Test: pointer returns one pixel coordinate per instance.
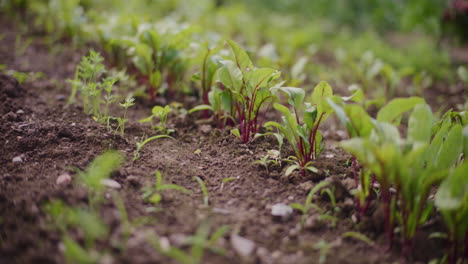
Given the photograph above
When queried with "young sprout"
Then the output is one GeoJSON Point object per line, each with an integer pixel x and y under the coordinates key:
{"type": "Point", "coordinates": [226, 180]}
{"type": "Point", "coordinates": [99, 170]}
{"type": "Point", "coordinates": [161, 113]}
{"type": "Point", "coordinates": [272, 157]}
{"type": "Point", "coordinates": [127, 225]}
{"type": "Point", "coordinates": [129, 101]}
{"type": "Point", "coordinates": [199, 242]}
{"type": "Point", "coordinates": [204, 190]}
{"type": "Point", "coordinates": [153, 194]}
{"type": "Point", "coordinates": [304, 208]}
{"type": "Point", "coordinates": [140, 145]}
{"type": "Point", "coordinates": [359, 236]}
{"type": "Point", "coordinates": [323, 247]}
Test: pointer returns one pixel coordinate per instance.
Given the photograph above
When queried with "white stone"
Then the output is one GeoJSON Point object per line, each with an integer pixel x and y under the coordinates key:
{"type": "Point", "coordinates": [17, 159]}
{"type": "Point", "coordinates": [111, 183]}
{"type": "Point", "coordinates": [281, 210]}
{"type": "Point", "coordinates": [64, 179]}
{"type": "Point", "coordinates": [243, 246]}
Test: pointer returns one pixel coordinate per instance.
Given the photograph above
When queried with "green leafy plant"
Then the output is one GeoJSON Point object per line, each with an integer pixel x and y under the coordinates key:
{"type": "Point", "coordinates": [452, 201]}
{"type": "Point", "coordinates": [302, 133]}
{"type": "Point", "coordinates": [97, 91]}
{"type": "Point", "coordinates": [248, 90]}
{"type": "Point", "coordinates": [359, 124]}
{"type": "Point", "coordinates": [412, 166]}
{"type": "Point", "coordinates": [141, 144]}
{"type": "Point", "coordinates": [206, 75]}
{"type": "Point", "coordinates": [60, 18]}
{"type": "Point", "coordinates": [161, 113]}
{"type": "Point", "coordinates": [200, 241]}
{"type": "Point", "coordinates": [99, 170]}
{"type": "Point", "coordinates": [153, 194]}
{"type": "Point", "coordinates": [205, 193]}
{"type": "Point", "coordinates": [159, 57]}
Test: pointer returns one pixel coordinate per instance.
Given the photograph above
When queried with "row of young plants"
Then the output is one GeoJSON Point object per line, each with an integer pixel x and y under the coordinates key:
{"type": "Point", "coordinates": [237, 94]}
{"type": "Point", "coordinates": [406, 169]}
{"type": "Point", "coordinates": [165, 53]}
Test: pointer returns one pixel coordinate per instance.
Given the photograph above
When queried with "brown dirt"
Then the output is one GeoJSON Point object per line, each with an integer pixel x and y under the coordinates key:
{"type": "Point", "coordinates": [52, 137]}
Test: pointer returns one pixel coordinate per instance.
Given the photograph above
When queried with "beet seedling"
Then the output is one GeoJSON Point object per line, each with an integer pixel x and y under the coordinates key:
{"type": "Point", "coordinates": [154, 194]}
{"type": "Point", "coordinates": [159, 58]}
{"type": "Point", "coordinates": [412, 166]}
{"type": "Point", "coordinates": [452, 201]}
{"type": "Point", "coordinates": [206, 76]}
{"type": "Point", "coordinates": [302, 133]}
{"type": "Point", "coordinates": [248, 90]}
{"type": "Point", "coordinates": [359, 124]}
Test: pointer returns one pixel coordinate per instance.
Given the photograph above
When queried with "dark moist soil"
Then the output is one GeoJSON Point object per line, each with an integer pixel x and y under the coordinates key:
{"type": "Point", "coordinates": [52, 138]}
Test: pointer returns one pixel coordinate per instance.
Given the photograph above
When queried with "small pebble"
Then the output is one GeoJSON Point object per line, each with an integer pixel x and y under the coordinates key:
{"type": "Point", "coordinates": [17, 159]}
{"type": "Point", "coordinates": [20, 112]}
{"type": "Point", "coordinates": [111, 183]}
{"type": "Point", "coordinates": [243, 246]}
{"type": "Point", "coordinates": [281, 211]}
{"type": "Point", "coordinates": [64, 179]}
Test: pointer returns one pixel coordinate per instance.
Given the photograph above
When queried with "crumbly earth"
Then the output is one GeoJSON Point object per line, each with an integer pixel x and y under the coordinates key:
{"type": "Point", "coordinates": [51, 138]}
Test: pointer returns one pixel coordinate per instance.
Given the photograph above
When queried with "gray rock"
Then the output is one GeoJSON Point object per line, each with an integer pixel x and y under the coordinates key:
{"type": "Point", "coordinates": [243, 246]}
{"type": "Point", "coordinates": [281, 211]}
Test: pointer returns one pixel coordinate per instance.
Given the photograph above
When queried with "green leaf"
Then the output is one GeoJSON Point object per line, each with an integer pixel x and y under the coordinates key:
{"type": "Point", "coordinates": [420, 124]}
{"type": "Point", "coordinates": [201, 108]}
{"type": "Point", "coordinates": [358, 236]}
{"type": "Point", "coordinates": [314, 190]}
{"type": "Point", "coordinates": [298, 207]}
{"type": "Point", "coordinates": [357, 96]}
{"type": "Point", "coordinates": [230, 76]}
{"type": "Point", "coordinates": [465, 142]}
{"type": "Point", "coordinates": [453, 190]}
{"type": "Point", "coordinates": [396, 107]}
{"type": "Point", "coordinates": [319, 97]}
{"type": "Point", "coordinates": [291, 168]}
{"type": "Point", "coordinates": [260, 77]}
{"type": "Point", "coordinates": [74, 253]}
{"type": "Point", "coordinates": [451, 148]}
{"type": "Point", "coordinates": [361, 122]}
{"type": "Point", "coordinates": [236, 132]}
{"type": "Point", "coordinates": [242, 59]}
{"type": "Point", "coordinates": [295, 95]}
